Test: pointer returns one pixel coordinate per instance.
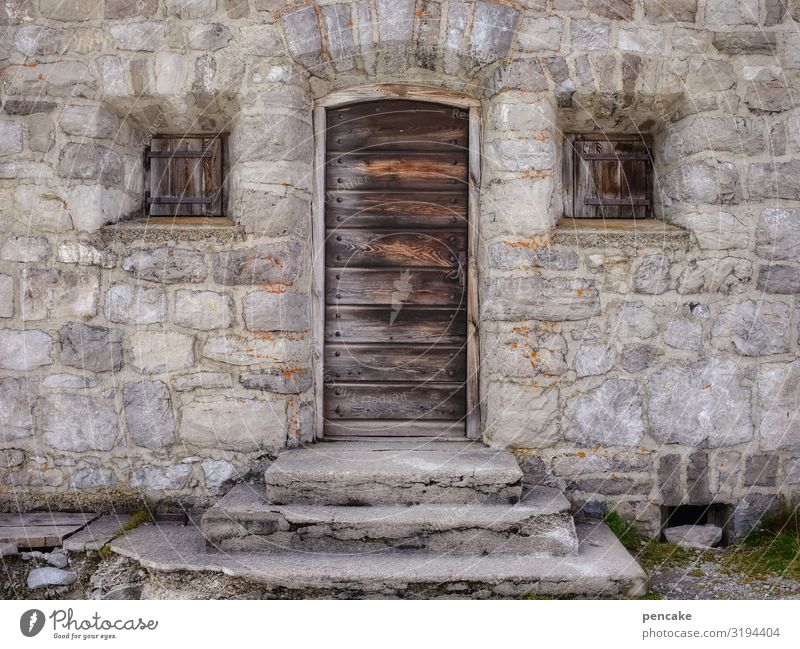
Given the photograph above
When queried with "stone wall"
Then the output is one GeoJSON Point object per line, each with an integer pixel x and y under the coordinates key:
{"type": "Point", "coordinates": [630, 368]}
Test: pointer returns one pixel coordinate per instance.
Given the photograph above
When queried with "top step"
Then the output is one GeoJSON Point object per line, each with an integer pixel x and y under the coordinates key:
{"type": "Point", "coordinates": [371, 473]}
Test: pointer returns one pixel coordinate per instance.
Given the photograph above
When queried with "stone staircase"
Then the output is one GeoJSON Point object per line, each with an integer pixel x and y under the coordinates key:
{"type": "Point", "coordinates": [402, 520]}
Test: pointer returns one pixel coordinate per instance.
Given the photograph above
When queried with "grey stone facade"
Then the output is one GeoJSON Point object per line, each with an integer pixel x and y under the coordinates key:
{"type": "Point", "coordinates": [639, 369]}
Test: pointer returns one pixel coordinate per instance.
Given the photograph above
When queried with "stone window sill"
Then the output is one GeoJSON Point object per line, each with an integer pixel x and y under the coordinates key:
{"type": "Point", "coordinates": [604, 233]}
{"type": "Point", "coordinates": [158, 228]}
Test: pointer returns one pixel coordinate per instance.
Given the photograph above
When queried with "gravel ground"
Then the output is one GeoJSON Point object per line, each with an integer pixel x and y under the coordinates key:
{"type": "Point", "coordinates": [707, 576]}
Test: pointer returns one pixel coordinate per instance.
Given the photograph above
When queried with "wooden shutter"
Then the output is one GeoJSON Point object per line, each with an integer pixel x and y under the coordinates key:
{"type": "Point", "coordinates": [185, 176]}
{"type": "Point", "coordinates": [609, 176]}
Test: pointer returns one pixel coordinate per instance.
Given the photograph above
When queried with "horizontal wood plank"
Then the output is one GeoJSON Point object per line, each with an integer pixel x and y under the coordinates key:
{"type": "Point", "coordinates": [395, 362]}
{"type": "Point", "coordinates": [396, 209]}
{"type": "Point", "coordinates": [411, 324]}
{"type": "Point", "coordinates": [395, 400]}
{"type": "Point", "coordinates": [395, 170]}
{"type": "Point", "coordinates": [395, 286]}
{"type": "Point", "coordinates": [395, 125]}
{"type": "Point", "coordinates": [394, 428]}
{"type": "Point", "coordinates": [33, 519]}
{"type": "Point", "coordinates": [346, 247]}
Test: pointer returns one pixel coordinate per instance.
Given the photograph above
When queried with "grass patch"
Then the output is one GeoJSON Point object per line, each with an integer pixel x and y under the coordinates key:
{"type": "Point", "coordinates": [649, 553]}
{"type": "Point", "coordinates": [772, 549]}
{"type": "Point", "coordinates": [625, 531]}
{"type": "Point", "coordinates": [137, 518]}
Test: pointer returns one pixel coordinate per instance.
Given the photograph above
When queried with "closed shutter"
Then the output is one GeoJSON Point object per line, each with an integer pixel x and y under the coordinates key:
{"type": "Point", "coordinates": [185, 176]}
{"type": "Point", "coordinates": [609, 177]}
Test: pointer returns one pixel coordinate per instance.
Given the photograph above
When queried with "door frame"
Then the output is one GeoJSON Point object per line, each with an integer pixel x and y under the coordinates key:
{"type": "Point", "coordinates": [472, 109]}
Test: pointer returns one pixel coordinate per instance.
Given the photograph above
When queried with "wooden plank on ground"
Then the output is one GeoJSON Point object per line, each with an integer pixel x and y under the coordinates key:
{"type": "Point", "coordinates": [41, 529]}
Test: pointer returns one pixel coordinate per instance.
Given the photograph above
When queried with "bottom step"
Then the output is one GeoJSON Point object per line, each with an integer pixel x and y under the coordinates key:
{"type": "Point", "coordinates": [539, 524]}
{"type": "Point", "coordinates": [181, 566]}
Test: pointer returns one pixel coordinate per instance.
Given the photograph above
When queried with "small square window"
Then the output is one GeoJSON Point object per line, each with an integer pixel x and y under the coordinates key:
{"type": "Point", "coordinates": [608, 176]}
{"type": "Point", "coordinates": [185, 176]}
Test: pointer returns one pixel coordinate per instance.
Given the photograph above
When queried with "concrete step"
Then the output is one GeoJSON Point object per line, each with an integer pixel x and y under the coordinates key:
{"type": "Point", "coordinates": [371, 473]}
{"type": "Point", "coordinates": [179, 565]}
{"type": "Point", "coordinates": [540, 524]}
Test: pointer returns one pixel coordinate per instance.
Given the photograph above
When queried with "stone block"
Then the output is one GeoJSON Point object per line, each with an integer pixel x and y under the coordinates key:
{"type": "Point", "coordinates": [90, 121]}
{"type": "Point", "coordinates": [697, 479]}
{"type": "Point", "coordinates": [25, 249]}
{"type": "Point", "coordinates": [117, 9]}
{"type": "Point", "coordinates": [709, 181]}
{"type": "Point", "coordinates": [595, 360]}
{"type": "Point", "coordinates": [112, 76]}
{"type": "Point", "coordinates": [639, 356]}
{"type": "Point", "coordinates": [25, 350]}
{"type": "Point", "coordinates": [149, 420]}
{"type": "Point", "coordinates": [144, 36]}
{"type": "Point", "coordinates": [779, 278]}
{"type": "Point", "coordinates": [610, 415]}
{"type": "Point", "coordinates": [39, 479]}
{"type": "Point", "coordinates": [10, 137]}
{"type": "Point", "coordinates": [303, 36]}
{"type": "Point", "coordinates": [641, 40]}
{"type": "Point", "coordinates": [286, 139]}
{"type": "Point", "coordinates": [17, 403]}
{"type": "Point", "coordinates": [537, 298]}
{"type": "Point", "coordinates": [167, 264]}
{"type": "Point", "coordinates": [290, 380]}
{"type": "Point", "coordinates": [258, 40]}
{"type": "Point", "coordinates": [761, 471]}
{"type": "Point", "coordinates": [85, 254]}
{"type": "Point", "coordinates": [612, 486]}
{"type": "Point", "coordinates": [93, 206]}
{"type": "Point", "coordinates": [191, 9]}
{"type": "Point", "coordinates": [218, 473]}
{"type": "Point", "coordinates": [524, 254]}
{"type": "Point", "coordinates": [273, 215]}
{"type": "Point", "coordinates": [279, 263]}
{"type": "Point", "coordinates": [203, 310]}
{"type": "Point", "coordinates": [521, 416]}
{"type": "Point", "coordinates": [518, 74]}
{"type": "Point", "coordinates": [276, 311]}
{"type": "Point", "coordinates": [633, 319]}
{"type": "Point", "coordinates": [71, 10]}
{"type": "Point", "coordinates": [11, 457]}
{"type": "Point", "coordinates": [670, 479]}
{"type": "Point", "coordinates": [338, 26]}
{"type": "Point", "coordinates": [776, 387]}
{"type": "Point", "coordinates": [260, 349]}
{"type": "Point", "coordinates": [737, 43]}
{"type": "Point", "coordinates": [234, 424]}
{"type": "Point", "coordinates": [751, 508]}
{"type": "Point", "coordinates": [161, 478]}
{"type": "Point", "coordinates": [90, 162]}
{"type": "Point", "coordinates": [731, 12]}
{"type": "Point", "coordinates": [684, 334]}
{"type": "Point", "coordinates": [79, 423]}
{"type": "Point", "coordinates": [132, 304]}
{"type": "Point", "coordinates": [772, 97]}
{"type": "Point", "coordinates": [588, 35]}
{"type": "Point", "coordinates": [778, 234]}
{"type": "Point", "coordinates": [523, 351]}
{"type": "Point", "coordinates": [772, 180]}
{"type": "Point", "coordinates": [93, 349]}
{"type": "Point", "coordinates": [701, 404]}
{"type": "Point", "coordinates": [521, 155]}
{"type": "Point", "coordinates": [718, 230]}
{"type": "Point", "coordinates": [540, 34]}
{"type": "Point", "coordinates": [92, 478]}
{"type": "Point", "coordinates": [52, 293]}
{"type": "Point", "coordinates": [14, 12]}
{"type": "Point", "coordinates": [673, 11]}
{"type": "Point", "coordinates": [6, 296]}
{"type": "Point", "coordinates": [652, 275]}
{"type": "Point", "coordinates": [752, 328]}
{"type": "Point", "coordinates": [202, 381]}
{"type": "Point", "coordinates": [210, 37]}
{"type": "Point", "coordinates": [731, 133]}
{"type": "Point", "coordinates": [493, 28]}
{"type": "Point", "coordinates": [41, 130]}
{"type": "Point", "coordinates": [158, 351]}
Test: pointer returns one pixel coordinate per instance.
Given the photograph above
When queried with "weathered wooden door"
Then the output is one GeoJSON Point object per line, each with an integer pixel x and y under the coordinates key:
{"type": "Point", "coordinates": [396, 208]}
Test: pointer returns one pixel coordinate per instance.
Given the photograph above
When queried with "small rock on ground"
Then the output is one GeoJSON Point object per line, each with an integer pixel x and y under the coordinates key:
{"type": "Point", "coordinates": [39, 577]}
{"type": "Point", "coordinates": [694, 536]}
{"type": "Point", "coordinates": [58, 560]}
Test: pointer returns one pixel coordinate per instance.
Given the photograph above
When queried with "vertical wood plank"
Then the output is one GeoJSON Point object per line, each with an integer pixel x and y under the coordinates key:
{"type": "Point", "coordinates": [318, 274]}
{"type": "Point", "coordinates": [473, 400]}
